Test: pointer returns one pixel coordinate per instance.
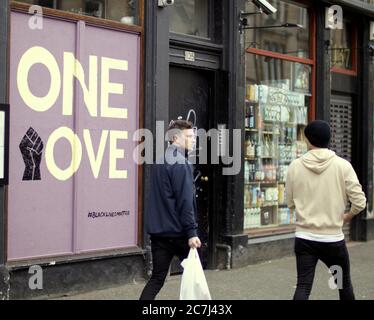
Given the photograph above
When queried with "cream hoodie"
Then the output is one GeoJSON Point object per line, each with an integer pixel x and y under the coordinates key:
{"type": "Point", "coordinates": [319, 185]}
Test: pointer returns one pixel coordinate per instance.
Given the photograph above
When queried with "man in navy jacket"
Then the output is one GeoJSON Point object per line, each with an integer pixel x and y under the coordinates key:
{"type": "Point", "coordinates": [171, 211]}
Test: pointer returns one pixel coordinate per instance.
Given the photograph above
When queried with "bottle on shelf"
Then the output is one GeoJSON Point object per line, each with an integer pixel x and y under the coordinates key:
{"type": "Point", "coordinates": [270, 147]}
{"type": "Point", "coordinates": [281, 193]}
{"type": "Point", "coordinates": [259, 121]}
{"type": "Point", "coordinates": [258, 147]}
{"type": "Point", "coordinates": [251, 117]}
{"type": "Point", "coordinates": [246, 121]}
{"type": "Point", "coordinates": [254, 197]}
{"type": "Point", "coordinates": [246, 171]}
{"type": "Point", "coordinates": [264, 147]}
{"type": "Point", "coordinates": [260, 174]}
{"type": "Point", "coordinates": [246, 218]}
{"type": "Point", "coordinates": [247, 197]}
{"type": "Point", "coordinates": [259, 198]}
{"type": "Point", "coordinates": [266, 218]}
{"type": "Point", "coordinates": [274, 171]}
{"type": "Point", "coordinates": [250, 148]}
{"type": "Point", "coordinates": [268, 173]}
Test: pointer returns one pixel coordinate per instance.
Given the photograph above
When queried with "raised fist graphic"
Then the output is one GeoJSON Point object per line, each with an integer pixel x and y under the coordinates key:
{"type": "Point", "coordinates": [31, 148]}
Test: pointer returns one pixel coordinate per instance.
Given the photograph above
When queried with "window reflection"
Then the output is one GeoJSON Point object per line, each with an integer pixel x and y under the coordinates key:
{"type": "Point", "coordinates": [341, 47]}
{"type": "Point", "coordinates": [125, 11]}
{"type": "Point", "coordinates": [190, 17]}
{"type": "Point", "coordinates": [290, 41]}
{"type": "Point", "coordinates": [278, 73]}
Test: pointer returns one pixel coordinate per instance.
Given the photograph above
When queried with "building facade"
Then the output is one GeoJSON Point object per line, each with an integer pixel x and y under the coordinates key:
{"type": "Point", "coordinates": [84, 76]}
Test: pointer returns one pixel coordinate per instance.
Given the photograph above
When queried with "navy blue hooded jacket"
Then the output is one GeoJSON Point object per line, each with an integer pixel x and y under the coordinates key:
{"type": "Point", "coordinates": [171, 209]}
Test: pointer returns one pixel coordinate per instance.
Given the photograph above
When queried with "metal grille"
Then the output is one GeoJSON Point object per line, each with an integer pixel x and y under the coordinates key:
{"type": "Point", "coordinates": [341, 126]}
{"type": "Point", "coordinates": [341, 140]}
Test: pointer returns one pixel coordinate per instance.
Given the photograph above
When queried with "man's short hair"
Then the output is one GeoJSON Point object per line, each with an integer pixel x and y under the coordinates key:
{"type": "Point", "coordinates": [177, 126]}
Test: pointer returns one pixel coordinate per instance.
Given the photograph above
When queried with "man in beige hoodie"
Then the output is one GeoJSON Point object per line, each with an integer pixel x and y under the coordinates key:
{"type": "Point", "coordinates": [319, 187]}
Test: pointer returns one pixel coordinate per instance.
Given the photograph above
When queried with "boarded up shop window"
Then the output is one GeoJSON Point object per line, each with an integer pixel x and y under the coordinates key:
{"type": "Point", "coordinates": [74, 109]}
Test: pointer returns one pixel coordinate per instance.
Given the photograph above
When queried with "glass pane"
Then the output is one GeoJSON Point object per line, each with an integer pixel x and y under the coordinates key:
{"type": "Point", "coordinates": [119, 10]}
{"type": "Point", "coordinates": [279, 73]}
{"type": "Point", "coordinates": [276, 113]}
{"type": "Point", "coordinates": [368, 2]}
{"type": "Point", "coordinates": [291, 41]}
{"type": "Point", "coordinates": [341, 47]}
{"type": "Point", "coordinates": [190, 17]}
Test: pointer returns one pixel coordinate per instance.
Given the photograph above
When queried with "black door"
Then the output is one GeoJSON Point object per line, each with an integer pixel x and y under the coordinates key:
{"type": "Point", "coordinates": [190, 99]}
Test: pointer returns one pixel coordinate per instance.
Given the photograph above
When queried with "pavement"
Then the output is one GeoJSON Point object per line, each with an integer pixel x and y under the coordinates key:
{"type": "Point", "coordinates": [271, 280]}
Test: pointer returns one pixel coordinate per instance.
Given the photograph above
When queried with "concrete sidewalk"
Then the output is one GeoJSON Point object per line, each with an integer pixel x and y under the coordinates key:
{"type": "Point", "coordinates": [273, 280]}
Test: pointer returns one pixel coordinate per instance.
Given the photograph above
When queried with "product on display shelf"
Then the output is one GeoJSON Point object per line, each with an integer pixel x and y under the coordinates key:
{"type": "Point", "coordinates": [246, 171]}
{"type": "Point", "coordinates": [281, 193]}
{"type": "Point", "coordinates": [266, 218]}
{"type": "Point", "coordinates": [250, 148]}
{"type": "Point", "coordinates": [252, 218]}
{"type": "Point", "coordinates": [254, 196]}
{"type": "Point", "coordinates": [252, 93]}
{"type": "Point", "coordinates": [283, 215]}
{"type": "Point", "coordinates": [251, 117]}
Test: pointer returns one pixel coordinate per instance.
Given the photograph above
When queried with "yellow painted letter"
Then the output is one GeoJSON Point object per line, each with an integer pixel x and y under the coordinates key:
{"type": "Point", "coordinates": [31, 57]}
{"type": "Point", "coordinates": [95, 162]}
{"type": "Point", "coordinates": [73, 68]}
{"type": "Point", "coordinates": [76, 153]}
{"type": "Point", "coordinates": [116, 154]}
{"type": "Point", "coordinates": [111, 88]}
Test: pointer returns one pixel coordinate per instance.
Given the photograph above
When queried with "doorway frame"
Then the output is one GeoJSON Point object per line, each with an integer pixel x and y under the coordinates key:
{"type": "Point", "coordinates": [215, 189]}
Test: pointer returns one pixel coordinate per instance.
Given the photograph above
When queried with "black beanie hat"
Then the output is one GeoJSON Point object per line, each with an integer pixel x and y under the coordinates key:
{"type": "Point", "coordinates": [318, 133]}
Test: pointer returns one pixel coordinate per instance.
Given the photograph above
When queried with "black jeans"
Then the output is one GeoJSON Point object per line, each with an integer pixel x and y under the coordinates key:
{"type": "Point", "coordinates": [163, 251]}
{"type": "Point", "coordinates": [331, 254]}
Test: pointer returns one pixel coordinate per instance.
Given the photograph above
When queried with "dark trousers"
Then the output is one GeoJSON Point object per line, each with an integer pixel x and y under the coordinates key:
{"type": "Point", "coordinates": [331, 254]}
{"type": "Point", "coordinates": [163, 251]}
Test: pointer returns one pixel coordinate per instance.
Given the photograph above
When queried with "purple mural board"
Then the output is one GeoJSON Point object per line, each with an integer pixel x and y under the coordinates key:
{"type": "Point", "coordinates": [52, 213]}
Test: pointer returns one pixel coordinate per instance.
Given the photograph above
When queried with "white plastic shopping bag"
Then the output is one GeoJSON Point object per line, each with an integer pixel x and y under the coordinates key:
{"type": "Point", "coordinates": [194, 285]}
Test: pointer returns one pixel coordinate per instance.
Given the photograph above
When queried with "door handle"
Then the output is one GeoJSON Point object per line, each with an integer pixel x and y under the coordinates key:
{"type": "Point", "coordinates": [206, 179]}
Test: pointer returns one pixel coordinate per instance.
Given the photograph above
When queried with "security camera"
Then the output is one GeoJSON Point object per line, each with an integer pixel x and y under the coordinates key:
{"type": "Point", "coordinates": [164, 3]}
{"type": "Point", "coordinates": [265, 6]}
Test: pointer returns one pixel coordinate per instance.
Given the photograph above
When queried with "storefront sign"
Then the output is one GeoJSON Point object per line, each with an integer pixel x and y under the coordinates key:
{"type": "Point", "coordinates": [334, 17]}
{"type": "Point", "coordinates": [189, 56]}
{"type": "Point", "coordinates": [75, 97]}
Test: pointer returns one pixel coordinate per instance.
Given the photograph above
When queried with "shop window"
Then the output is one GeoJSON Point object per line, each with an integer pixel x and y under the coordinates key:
{"type": "Point", "coordinates": [290, 41]}
{"type": "Point", "coordinates": [280, 86]}
{"type": "Point", "coordinates": [123, 11]}
{"type": "Point", "coordinates": [343, 48]}
{"type": "Point", "coordinates": [278, 98]}
{"type": "Point", "coordinates": [190, 17]}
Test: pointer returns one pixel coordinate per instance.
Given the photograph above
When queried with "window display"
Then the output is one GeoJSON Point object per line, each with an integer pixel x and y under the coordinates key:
{"type": "Point", "coordinates": [275, 118]}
